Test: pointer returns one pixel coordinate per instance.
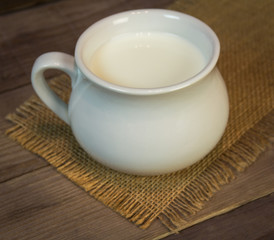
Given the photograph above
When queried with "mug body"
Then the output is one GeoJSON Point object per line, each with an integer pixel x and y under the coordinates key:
{"type": "Point", "coordinates": [150, 134]}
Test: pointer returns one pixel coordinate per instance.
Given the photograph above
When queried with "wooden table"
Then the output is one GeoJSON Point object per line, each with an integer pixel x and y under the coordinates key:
{"type": "Point", "coordinates": [36, 202]}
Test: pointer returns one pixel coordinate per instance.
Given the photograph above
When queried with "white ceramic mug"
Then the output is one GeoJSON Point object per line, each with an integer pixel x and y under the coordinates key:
{"type": "Point", "coordinates": [141, 130]}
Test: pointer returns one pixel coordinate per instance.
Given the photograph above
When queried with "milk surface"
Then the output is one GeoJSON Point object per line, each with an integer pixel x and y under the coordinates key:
{"type": "Point", "coordinates": [146, 60]}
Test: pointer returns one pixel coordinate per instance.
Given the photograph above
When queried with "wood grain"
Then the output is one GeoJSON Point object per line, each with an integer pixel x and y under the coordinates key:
{"type": "Point", "coordinates": [241, 223]}
{"type": "Point", "coordinates": [15, 5]}
{"type": "Point", "coordinates": [15, 161]}
{"type": "Point", "coordinates": [36, 202]}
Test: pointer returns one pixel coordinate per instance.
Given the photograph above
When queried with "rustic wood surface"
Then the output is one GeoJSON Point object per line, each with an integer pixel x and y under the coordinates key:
{"type": "Point", "coordinates": [36, 202]}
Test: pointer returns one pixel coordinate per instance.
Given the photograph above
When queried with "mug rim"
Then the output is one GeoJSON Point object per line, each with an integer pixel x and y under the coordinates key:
{"type": "Point", "coordinates": [157, 90]}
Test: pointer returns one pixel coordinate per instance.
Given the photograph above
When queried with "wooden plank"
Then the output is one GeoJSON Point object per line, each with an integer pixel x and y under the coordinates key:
{"type": "Point", "coordinates": [15, 5]}
{"type": "Point", "coordinates": [14, 160]}
{"type": "Point", "coordinates": [242, 223]}
{"type": "Point", "coordinates": [10, 100]}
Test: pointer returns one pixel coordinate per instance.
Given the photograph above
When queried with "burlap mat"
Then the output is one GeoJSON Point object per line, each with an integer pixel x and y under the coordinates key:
{"type": "Point", "coordinates": [245, 29]}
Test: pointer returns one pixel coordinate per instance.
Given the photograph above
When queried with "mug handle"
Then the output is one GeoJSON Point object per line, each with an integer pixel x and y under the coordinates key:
{"type": "Point", "coordinates": [52, 60]}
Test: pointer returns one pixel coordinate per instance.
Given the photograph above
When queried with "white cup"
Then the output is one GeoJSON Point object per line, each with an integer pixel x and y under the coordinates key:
{"type": "Point", "coordinates": [141, 130]}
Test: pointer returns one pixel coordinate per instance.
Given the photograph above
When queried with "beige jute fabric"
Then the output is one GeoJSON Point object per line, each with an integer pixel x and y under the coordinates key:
{"type": "Point", "coordinates": [245, 29]}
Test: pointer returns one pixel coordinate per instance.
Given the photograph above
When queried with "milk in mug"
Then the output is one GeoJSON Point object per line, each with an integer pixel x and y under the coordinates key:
{"type": "Point", "coordinates": [146, 60]}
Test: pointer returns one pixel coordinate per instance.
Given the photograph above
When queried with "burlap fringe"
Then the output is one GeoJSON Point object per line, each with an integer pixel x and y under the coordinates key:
{"type": "Point", "coordinates": [241, 155]}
